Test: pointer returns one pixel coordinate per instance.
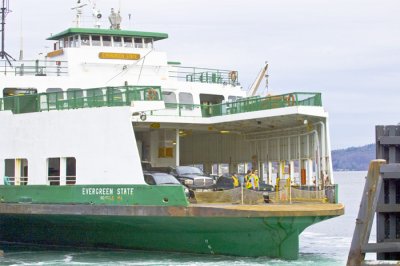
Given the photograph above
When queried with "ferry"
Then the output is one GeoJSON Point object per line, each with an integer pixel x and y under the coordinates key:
{"type": "Point", "coordinates": [78, 127]}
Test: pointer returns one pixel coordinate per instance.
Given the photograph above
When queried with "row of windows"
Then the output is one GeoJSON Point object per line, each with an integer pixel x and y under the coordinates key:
{"type": "Point", "coordinates": [73, 93]}
{"type": "Point", "coordinates": [16, 171]}
{"type": "Point", "coordinates": [105, 41]}
{"type": "Point", "coordinates": [187, 98]}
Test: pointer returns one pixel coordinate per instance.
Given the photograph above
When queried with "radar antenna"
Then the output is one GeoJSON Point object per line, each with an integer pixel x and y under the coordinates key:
{"type": "Point", "coordinates": [95, 13]}
{"type": "Point", "coordinates": [78, 8]}
{"type": "Point", "coordinates": [4, 11]}
{"type": "Point", "coordinates": [115, 20]}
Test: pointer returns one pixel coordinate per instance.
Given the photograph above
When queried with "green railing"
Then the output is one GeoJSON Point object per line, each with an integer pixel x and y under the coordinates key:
{"type": "Point", "coordinates": [77, 98]}
{"type": "Point", "coordinates": [244, 105]}
{"type": "Point", "coordinates": [264, 103]}
{"type": "Point", "coordinates": [204, 75]}
{"type": "Point", "coordinates": [123, 96]}
{"type": "Point", "coordinates": [35, 67]}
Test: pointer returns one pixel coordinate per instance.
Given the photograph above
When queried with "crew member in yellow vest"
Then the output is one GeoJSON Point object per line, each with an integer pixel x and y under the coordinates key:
{"type": "Point", "coordinates": [256, 180]}
{"type": "Point", "coordinates": [235, 180]}
{"type": "Point", "coordinates": [249, 183]}
{"type": "Point", "coordinates": [247, 176]}
{"type": "Point", "coordinates": [253, 181]}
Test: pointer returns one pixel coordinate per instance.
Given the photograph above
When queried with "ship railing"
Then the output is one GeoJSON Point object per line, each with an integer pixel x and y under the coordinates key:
{"type": "Point", "coordinates": [70, 180]}
{"type": "Point", "coordinates": [204, 75]}
{"type": "Point", "coordinates": [15, 181]}
{"type": "Point", "coordinates": [243, 105]}
{"type": "Point", "coordinates": [281, 195]}
{"type": "Point", "coordinates": [53, 180]}
{"type": "Point", "coordinates": [76, 98]}
{"type": "Point", "coordinates": [35, 68]}
{"type": "Point", "coordinates": [182, 110]}
{"type": "Point", "coordinates": [264, 103]}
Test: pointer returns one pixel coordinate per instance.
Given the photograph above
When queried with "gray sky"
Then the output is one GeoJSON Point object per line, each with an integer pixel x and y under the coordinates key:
{"type": "Point", "coordinates": [348, 50]}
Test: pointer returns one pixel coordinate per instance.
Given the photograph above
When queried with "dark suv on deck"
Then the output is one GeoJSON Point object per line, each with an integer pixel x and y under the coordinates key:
{"type": "Point", "coordinates": [192, 177]}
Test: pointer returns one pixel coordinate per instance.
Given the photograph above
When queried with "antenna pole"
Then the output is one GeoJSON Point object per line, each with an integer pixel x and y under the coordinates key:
{"type": "Point", "coordinates": [4, 12]}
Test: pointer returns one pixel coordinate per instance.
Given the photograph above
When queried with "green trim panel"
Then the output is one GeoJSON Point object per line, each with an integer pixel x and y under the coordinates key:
{"type": "Point", "coordinates": [96, 194]}
{"type": "Point", "coordinates": [123, 33]}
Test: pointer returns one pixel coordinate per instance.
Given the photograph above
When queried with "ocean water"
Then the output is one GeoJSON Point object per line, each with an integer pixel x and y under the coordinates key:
{"type": "Point", "coordinates": [324, 244]}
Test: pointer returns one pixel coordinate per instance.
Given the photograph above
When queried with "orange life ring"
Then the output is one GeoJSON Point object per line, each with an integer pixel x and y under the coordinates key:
{"type": "Point", "coordinates": [152, 94]}
{"type": "Point", "coordinates": [233, 76]}
{"type": "Point", "coordinates": [290, 100]}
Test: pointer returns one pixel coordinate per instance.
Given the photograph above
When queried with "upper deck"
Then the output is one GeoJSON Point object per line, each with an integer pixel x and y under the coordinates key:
{"type": "Point", "coordinates": [125, 95]}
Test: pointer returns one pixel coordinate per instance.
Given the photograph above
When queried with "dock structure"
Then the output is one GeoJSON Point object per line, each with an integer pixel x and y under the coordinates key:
{"type": "Point", "coordinates": [381, 196]}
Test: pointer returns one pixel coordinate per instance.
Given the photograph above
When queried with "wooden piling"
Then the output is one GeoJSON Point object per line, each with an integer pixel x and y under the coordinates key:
{"type": "Point", "coordinates": [366, 214]}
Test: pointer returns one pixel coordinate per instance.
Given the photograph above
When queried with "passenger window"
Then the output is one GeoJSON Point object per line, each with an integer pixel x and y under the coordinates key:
{"type": "Point", "coordinates": [66, 42]}
{"type": "Point", "coordinates": [117, 97]}
{"type": "Point", "coordinates": [16, 172]}
{"type": "Point", "coordinates": [56, 177]}
{"type": "Point", "coordinates": [53, 171]}
{"type": "Point", "coordinates": [9, 173]}
{"type": "Point", "coordinates": [76, 41]}
{"type": "Point", "coordinates": [85, 40]}
{"type": "Point", "coordinates": [71, 41]}
{"type": "Point", "coordinates": [231, 98]}
{"type": "Point", "coordinates": [117, 41]}
{"type": "Point", "coordinates": [186, 99]}
{"type": "Point", "coordinates": [74, 93]}
{"type": "Point", "coordinates": [106, 40]}
{"type": "Point", "coordinates": [128, 42]}
{"type": "Point", "coordinates": [148, 43]}
{"type": "Point", "coordinates": [18, 91]}
{"type": "Point", "coordinates": [96, 40]}
{"type": "Point", "coordinates": [169, 99]}
{"type": "Point", "coordinates": [70, 171]}
{"type": "Point", "coordinates": [94, 97]}
{"type": "Point", "coordinates": [138, 43]}
{"type": "Point", "coordinates": [53, 97]}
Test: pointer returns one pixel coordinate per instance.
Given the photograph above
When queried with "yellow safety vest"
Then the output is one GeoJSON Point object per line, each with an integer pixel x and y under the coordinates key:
{"type": "Point", "coordinates": [235, 181]}
{"type": "Point", "coordinates": [256, 181]}
{"type": "Point", "coordinates": [248, 183]}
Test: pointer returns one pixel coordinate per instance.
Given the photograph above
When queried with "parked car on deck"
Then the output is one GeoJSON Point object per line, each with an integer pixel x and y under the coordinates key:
{"type": "Point", "coordinates": [224, 182]}
{"type": "Point", "coordinates": [192, 177]}
{"type": "Point", "coordinates": [155, 178]}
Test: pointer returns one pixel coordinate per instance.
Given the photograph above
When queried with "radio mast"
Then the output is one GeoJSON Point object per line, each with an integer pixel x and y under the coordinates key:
{"type": "Point", "coordinates": [4, 12]}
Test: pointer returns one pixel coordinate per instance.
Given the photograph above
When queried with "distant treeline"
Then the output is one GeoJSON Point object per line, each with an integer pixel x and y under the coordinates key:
{"type": "Point", "coordinates": [353, 158]}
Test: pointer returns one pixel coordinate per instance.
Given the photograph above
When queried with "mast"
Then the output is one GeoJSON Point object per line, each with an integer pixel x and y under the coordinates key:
{"type": "Point", "coordinates": [4, 11]}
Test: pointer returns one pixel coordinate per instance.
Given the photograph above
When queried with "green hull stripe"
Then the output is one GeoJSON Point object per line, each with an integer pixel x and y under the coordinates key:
{"type": "Point", "coordinates": [96, 194]}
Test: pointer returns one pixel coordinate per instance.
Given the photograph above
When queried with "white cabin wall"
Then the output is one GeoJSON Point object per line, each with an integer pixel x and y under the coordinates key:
{"type": "Point", "coordinates": [101, 140]}
{"type": "Point", "coordinates": [94, 72]}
